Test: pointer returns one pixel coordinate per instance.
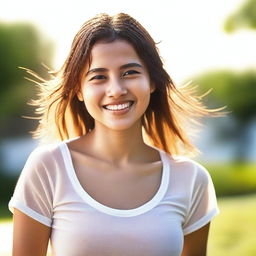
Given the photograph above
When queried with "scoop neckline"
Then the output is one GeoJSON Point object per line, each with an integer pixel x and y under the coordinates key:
{"type": "Point", "coordinates": [153, 202]}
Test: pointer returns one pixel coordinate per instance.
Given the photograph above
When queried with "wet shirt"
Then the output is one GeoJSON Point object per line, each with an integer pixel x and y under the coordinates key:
{"type": "Point", "coordinates": [49, 191]}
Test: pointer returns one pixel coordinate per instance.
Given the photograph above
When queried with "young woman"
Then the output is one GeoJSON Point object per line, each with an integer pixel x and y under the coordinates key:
{"type": "Point", "coordinates": [116, 183]}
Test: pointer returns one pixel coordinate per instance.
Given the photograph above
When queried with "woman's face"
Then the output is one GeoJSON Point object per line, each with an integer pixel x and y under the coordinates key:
{"type": "Point", "coordinates": [116, 87]}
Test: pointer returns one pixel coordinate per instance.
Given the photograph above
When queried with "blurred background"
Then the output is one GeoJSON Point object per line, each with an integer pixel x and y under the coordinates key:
{"type": "Point", "coordinates": [211, 43]}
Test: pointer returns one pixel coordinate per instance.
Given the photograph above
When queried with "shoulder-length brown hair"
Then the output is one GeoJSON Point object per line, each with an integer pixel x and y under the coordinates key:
{"type": "Point", "coordinates": [170, 111]}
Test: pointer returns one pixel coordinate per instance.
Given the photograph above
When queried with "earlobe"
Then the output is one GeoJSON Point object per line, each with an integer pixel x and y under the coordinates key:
{"type": "Point", "coordinates": [79, 96]}
{"type": "Point", "coordinates": [152, 88]}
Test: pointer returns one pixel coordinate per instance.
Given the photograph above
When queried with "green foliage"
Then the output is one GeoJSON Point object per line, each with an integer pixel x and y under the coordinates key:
{"type": "Point", "coordinates": [5, 214]}
{"type": "Point", "coordinates": [233, 179]}
{"type": "Point", "coordinates": [236, 90]}
{"type": "Point", "coordinates": [21, 45]}
{"type": "Point", "coordinates": [7, 185]}
{"type": "Point", "coordinates": [233, 230]}
{"type": "Point", "coordinates": [244, 17]}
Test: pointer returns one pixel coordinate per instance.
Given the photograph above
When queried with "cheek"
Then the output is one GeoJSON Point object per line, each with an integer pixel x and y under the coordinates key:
{"type": "Point", "coordinates": [92, 94]}
{"type": "Point", "coordinates": [140, 86]}
{"type": "Point", "coordinates": [92, 99]}
{"type": "Point", "coordinates": [143, 91]}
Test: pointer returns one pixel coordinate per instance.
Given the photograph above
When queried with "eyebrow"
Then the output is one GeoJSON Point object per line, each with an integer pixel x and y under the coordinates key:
{"type": "Point", "coordinates": [128, 65]}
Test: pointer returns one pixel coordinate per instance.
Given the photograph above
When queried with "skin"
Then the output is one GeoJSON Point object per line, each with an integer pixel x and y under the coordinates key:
{"type": "Point", "coordinates": [117, 139]}
{"type": "Point", "coordinates": [30, 237]}
{"type": "Point", "coordinates": [116, 75]}
{"type": "Point", "coordinates": [195, 243]}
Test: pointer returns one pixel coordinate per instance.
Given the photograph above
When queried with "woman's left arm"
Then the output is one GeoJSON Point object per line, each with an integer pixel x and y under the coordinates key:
{"type": "Point", "coordinates": [195, 243]}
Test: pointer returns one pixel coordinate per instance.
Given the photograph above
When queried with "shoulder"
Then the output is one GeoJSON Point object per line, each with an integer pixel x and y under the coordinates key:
{"type": "Point", "coordinates": [44, 152]}
{"type": "Point", "coordinates": [41, 169]}
{"type": "Point", "coordinates": [43, 157]}
{"type": "Point", "coordinates": [189, 168]}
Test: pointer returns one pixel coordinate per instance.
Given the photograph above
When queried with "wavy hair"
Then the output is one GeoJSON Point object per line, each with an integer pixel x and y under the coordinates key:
{"type": "Point", "coordinates": [171, 111]}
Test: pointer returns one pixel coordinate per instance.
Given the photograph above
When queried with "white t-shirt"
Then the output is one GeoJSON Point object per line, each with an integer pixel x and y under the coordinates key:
{"type": "Point", "coordinates": [49, 191]}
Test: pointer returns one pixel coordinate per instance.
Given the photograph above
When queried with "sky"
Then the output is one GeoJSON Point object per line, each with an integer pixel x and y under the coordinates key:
{"type": "Point", "coordinates": [191, 35]}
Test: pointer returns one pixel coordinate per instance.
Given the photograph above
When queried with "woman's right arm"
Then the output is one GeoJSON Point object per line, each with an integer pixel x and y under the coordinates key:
{"type": "Point", "coordinates": [30, 237]}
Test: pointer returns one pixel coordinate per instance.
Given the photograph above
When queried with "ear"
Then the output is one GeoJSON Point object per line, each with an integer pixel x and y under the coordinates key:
{"type": "Point", "coordinates": [152, 87]}
{"type": "Point", "coordinates": [80, 96]}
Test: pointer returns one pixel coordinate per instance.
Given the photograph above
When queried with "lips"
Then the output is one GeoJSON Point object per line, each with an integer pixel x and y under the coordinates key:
{"type": "Point", "coordinates": [118, 106]}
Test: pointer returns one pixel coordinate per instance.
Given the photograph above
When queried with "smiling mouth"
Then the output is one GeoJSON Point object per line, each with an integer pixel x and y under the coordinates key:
{"type": "Point", "coordinates": [119, 107]}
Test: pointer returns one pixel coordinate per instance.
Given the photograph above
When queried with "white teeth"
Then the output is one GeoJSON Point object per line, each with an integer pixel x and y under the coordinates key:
{"type": "Point", "coordinates": [119, 106]}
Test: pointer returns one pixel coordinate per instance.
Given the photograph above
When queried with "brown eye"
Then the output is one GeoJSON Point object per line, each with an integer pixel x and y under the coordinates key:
{"type": "Point", "coordinates": [130, 72]}
{"type": "Point", "coordinates": [98, 77]}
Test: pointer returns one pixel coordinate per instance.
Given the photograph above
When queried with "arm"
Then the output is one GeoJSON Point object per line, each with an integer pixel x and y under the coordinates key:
{"type": "Point", "coordinates": [195, 243]}
{"type": "Point", "coordinates": [30, 237]}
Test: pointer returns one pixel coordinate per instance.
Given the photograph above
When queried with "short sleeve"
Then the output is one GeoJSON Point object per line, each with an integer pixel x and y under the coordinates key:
{"type": "Point", "coordinates": [203, 203]}
{"type": "Point", "coordinates": [33, 194]}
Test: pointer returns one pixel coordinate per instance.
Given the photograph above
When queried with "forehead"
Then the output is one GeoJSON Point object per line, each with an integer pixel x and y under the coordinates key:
{"type": "Point", "coordinates": [118, 52]}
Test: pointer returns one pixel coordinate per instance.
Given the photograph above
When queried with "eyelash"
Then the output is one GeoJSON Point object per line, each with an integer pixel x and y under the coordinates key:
{"type": "Point", "coordinates": [98, 77]}
{"type": "Point", "coordinates": [129, 72]}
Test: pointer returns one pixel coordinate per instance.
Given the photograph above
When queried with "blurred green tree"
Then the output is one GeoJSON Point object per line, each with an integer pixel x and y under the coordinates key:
{"type": "Point", "coordinates": [21, 45]}
{"type": "Point", "coordinates": [237, 91]}
{"type": "Point", "coordinates": [243, 17]}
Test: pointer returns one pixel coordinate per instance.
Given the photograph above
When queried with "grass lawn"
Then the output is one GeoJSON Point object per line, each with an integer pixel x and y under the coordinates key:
{"type": "Point", "coordinates": [233, 231]}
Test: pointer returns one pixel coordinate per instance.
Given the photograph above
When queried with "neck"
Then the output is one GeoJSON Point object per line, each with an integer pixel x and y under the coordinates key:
{"type": "Point", "coordinates": [118, 147]}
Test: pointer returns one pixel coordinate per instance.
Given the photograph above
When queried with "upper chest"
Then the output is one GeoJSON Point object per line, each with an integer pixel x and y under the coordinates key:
{"type": "Point", "coordinates": [125, 188]}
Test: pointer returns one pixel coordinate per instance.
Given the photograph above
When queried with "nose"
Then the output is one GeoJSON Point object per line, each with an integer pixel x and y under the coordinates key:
{"type": "Point", "coordinates": [116, 88]}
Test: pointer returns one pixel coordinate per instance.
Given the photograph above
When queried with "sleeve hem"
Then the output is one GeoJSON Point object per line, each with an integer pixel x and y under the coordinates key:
{"type": "Point", "coordinates": [200, 223]}
{"type": "Point", "coordinates": [14, 203]}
